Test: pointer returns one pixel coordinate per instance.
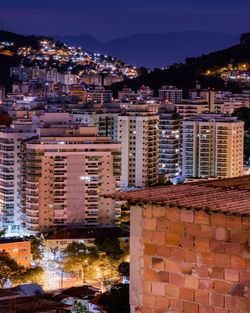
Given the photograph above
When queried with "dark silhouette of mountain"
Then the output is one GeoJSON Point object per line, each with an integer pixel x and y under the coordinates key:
{"type": "Point", "coordinates": [186, 74]}
{"type": "Point", "coordinates": [156, 50]}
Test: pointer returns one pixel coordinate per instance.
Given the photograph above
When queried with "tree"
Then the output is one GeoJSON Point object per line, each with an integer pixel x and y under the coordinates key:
{"type": "Point", "coordinates": [117, 300]}
{"type": "Point", "coordinates": [245, 39]}
{"type": "Point", "coordinates": [79, 307]}
{"type": "Point", "coordinates": [77, 256]}
{"type": "Point", "coordinates": [9, 269]}
{"type": "Point", "coordinates": [36, 246]}
{"type": "Point", "coordinates": [123, 269]}
{"type": "Point", "coordinates": [110, 246]}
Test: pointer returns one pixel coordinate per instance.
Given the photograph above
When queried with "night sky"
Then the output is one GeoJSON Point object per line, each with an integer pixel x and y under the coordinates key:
{"type": "Point", "coordinates": [115, 18]}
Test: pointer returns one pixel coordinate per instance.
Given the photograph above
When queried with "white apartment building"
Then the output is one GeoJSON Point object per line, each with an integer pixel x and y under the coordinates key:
{"type": "Point", "coordinates": [65, 172]}
{"type": "Point", "coordinates": [10, 172]}
{"type": "Point", "coordinates": [170, 145]}
{"type": "Point", "coordinates": [99, 95]}
{"type": "Point", "coordinates": [138, 134]}
{"type": "Point", "coordinates": [213, 146]}
{"type": "Point", "coordinates": [170, 94]}
{"type": "Point", "coordinates": [189, 108]}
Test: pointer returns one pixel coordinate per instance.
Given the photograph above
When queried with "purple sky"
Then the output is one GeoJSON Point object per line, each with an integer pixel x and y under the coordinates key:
{"type": "Point", "coordinates": [114, 18]}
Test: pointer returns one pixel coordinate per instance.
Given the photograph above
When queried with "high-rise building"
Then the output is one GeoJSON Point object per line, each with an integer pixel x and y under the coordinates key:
{"type": "Point", "coordinates": [213, 146]}
{"type": "Point", "coordinates": [65, 172]}
{"type": "Point", "coordinates": [171, 94]}
{"type": "Point", "coordinates": [138, 134]}
{"type": "Point", "coordinates": [170, 145]}
{"type": "Point", "coordinates": [10, 172]}
{"type": "Point", "coordinates": [99, 95]}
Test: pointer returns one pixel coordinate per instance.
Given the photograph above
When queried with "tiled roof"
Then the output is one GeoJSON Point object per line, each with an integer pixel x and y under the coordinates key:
{"type": "Point", "coordinates": [225, 195]}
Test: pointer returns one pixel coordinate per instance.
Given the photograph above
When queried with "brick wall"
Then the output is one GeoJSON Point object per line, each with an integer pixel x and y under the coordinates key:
{"type": "Point", "coordinates": [193, 261]}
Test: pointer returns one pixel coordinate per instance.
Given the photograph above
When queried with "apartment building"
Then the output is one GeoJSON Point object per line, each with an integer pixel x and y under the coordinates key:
{"type": "Point", "coordinates": [65, 172]}
{"type": "Point", "coordinates": [170, 94]}
{"type": "Point", "coordinates": [189, 108]}
{"type": "Point", "coordinates": [138, 134]}
{"type": "Point", "coordinates": [10, 171]}
{"type": "Point", "coordinates": [18, 249]}
{"type": "Point", "coordinates": [99, 95]}
{"type": "Point", "coordinates": [170, 145]}
{"type": "Point", "coordinates": [213, 146]}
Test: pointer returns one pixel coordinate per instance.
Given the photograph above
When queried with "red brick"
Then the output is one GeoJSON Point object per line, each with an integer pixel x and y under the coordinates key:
{"type": "Point", "coordinates": [246, 251]}
{"type": "Point", "coordinates": [202, 270]}
{"type": "Point", "coordinates": [172, 291]}
{"type": "Point", "coordinates": [162, 276]}
{"type": "Point", "coordinates": [217, 272]}
{"type": "Point", "coordinates": [191, 282]}
{"type": "Point", "coordinates": [144, 309]}
{"type": "Point", "coordinates": [190, 307]}
{"type": "Point", "coordinates": [172, 266]}
{"type": "Point", "coordinates": [163, 225]}
{"type": "Point", "coordinates": [158, 288]}
{"type": "Point", "coordinates": [201, 296]}
{"type": "Point", "coordinates": [146, 287]}
{"type": "Point", "coordinates": [159, 211]}
{"type": "Point", "coordinates": [193, 230]}
{"type": "Point", "coordinates": [238, 236]}
{"type": "Point", "coordinates": [187, 242]}
{"type": "Point", "coordinates": [176, 305]}
{"type": "Point", "coordinates": [176, 279]}
{"type": "Point", "coordinates": [186, 268]}
{"type": "Point", "coordinates": [147, 261]}
{"type": "Point", "coordinates": [187, 216]}
{"type": "Point", "coordinates": [163, 251]}
{"type": "Point", "coordinates": [221, 234]}
{"type": "Point", "coordinates": [232, 303]}
{"type": "Point", "coordinates": [218, 219]}
{"type": "Point", "coordinates": [233, 248]}
{"type": "Point", "coordinates": [177, 228]}
{"type": "Point", "coordinates": [207, 258]}
{"type": "Point", "coordinates": [149, 275]}
{"type": "Point", "coordinates": [219, 310]}
{"type": "Point", "coordinates": [149, 223]}
{"type": "Point", "coordinates": [233, 221]}
{"type": "Point", "coordinates": [147, 210]}
{"type": "Point", "coordinates": [217, 299]}
{"type": "Point", "coordinates": [190, 256]}
{"type": "Point", "coordinates": [172, 239]}
{"type": "Point", "coordinates": [201, 217]}
{"type": "Point", "coordinates": [202, 244]}
{"type": "Point", "coordinates": [158, 310]}
{"type": "Point", "coordinates": [246, 223]}
{"type": "Point", "coordinates": [148, 300]}
{"type": "Point", "coordinates": [173, 214]}
{"type": "Point", "coordinates": [162, 302]}
{"type": "Point", "coordinates": [158, 238]}
{"type": "Point", "coordinates": [177, 254]}
{"type": "Point", "coordinates": [147, 236]}
{"type": "Point", "coordinates": [222, 260]}
{"type": "Point", "coordinates": [208, 231]}
{"type": "Point", "coordinates": [245, 278]}
{"type": "Point", "coordinates": [237, 290]}
{"type": "Point", "coordinates": [245, 305]}
{"type": "Point", "coordinates": [158, 263]}
{"type": "Point", "coordinates": [205, 309]}
{"type": "Point", "coordinates": [238, 263]}
{"type": "Point", "coordinates": [221, 287]}
{"type": "Point", "coordinates": [205, 284]}
{"type": "Point", "coordinates": [231, 275]}
{"type": "Point", "coordinates": [149, 249]}
{"type": "Point", "coordinates": [186, 294]}
{"type": "Point", "coordinates": [217, 246]}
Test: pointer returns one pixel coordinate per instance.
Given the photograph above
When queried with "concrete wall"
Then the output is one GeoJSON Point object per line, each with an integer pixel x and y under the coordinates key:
{"type": "Point", "coordinates": [193, 261]}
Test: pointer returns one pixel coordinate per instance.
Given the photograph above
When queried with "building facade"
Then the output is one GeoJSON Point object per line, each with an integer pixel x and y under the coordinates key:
{"type": "Point", "coordinates": [213, 146]}
{"type": "Point", "coordinates": [65, 172]}
{"type": "Point", "coordinates": [138, 134]}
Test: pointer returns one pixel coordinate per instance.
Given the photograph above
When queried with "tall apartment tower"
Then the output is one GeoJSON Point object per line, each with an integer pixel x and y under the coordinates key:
{"type": "Point", "coordinates": [171, 94]}
{"type": "Point", "coordinates": [213, 146]}
{"type": "Point", "coordinates": [170, 145]}
{"type": "Point", "coordinates": [138, 134]}
{"type": "Point", "coordinates": [10, 171]}
{"type": "Point", "coordinates": [65, 172]}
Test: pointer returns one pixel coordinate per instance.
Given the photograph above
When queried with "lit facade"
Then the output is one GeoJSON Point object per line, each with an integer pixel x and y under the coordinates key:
{"type": "Point", "coordinates": [213, 146]}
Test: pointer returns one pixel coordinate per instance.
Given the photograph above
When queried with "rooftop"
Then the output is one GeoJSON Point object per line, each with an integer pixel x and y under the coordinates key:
{"type": "Point", "coordinates": [231, 195]}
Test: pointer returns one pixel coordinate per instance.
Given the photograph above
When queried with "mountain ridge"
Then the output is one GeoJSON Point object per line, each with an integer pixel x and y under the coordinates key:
{"type": "Point", "coordinates": [155, 49]}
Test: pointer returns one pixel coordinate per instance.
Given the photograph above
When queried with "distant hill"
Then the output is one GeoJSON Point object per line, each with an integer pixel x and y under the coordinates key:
{"type": "Point", "coordinates": [194, 69]}
{"type": "Point", "coordinates": [155, 50]}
